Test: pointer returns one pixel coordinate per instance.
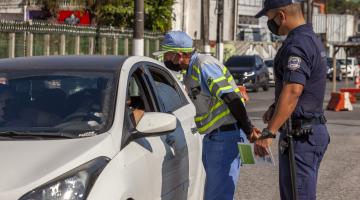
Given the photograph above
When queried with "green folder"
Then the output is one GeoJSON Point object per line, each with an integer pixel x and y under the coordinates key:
{"type": "Point", "coordinates": [246, 153]}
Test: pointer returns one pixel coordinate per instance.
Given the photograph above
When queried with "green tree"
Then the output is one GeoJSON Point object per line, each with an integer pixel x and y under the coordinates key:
{"type": "Point", "coordinates": [50, 6]}
{"type": "Point", "coordinates": [158, 15]}
{"type": "Point", "coordinates": [343, 7]}
{"type": "Point", "coordinates": [120, 13]}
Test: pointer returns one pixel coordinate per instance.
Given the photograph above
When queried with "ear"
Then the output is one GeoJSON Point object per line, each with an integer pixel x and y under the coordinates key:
{"type": "Point", "coordinates": [282, 17]}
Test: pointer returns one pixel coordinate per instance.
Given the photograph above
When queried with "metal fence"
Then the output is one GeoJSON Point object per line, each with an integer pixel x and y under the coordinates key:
{"type": "Point", "coordinates": [18, 39]}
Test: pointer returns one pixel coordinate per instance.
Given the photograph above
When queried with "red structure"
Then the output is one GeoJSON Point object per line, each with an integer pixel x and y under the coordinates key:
{"type": "Point", "coordinates": [83, 16]}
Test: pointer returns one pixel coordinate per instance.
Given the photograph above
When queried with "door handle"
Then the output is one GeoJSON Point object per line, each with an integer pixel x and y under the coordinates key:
{"type": "Point", "coordinates": [170, 140]}
{"type": "Point", "coordinates": [194, 130]}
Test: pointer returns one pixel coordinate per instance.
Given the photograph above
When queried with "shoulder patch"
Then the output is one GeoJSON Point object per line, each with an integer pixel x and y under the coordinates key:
{"type": "Point", "coordinates": [294, 63]}
{"type": "Point", "coordinates": [209, 81]}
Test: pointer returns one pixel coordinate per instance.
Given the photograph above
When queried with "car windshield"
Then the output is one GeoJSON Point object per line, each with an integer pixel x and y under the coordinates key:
{"type": "Point", "coordinates": [269, 63]}
{"type": "Point", "coordinates": [239, 61]}
{"type": "Point", "coordinates": [76, 103]}
{"type": "Point", "coordinates": [342, 62]}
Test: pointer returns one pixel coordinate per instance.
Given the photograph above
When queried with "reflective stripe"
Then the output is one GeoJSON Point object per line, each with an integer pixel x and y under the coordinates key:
{"type": "Point", "coordinates": [224, 70]}
{"type": "Point", "coordinates": [237, 89]}
{"type": "Point", "coordinates": [196, 68]}
{"type": "Point", "coordinates": [194, 78]}
{"type": "Point", "coordinates": [213, 121]}
{"type": "Point", "coordinates": [201, 118]}
{"type": "Point", "coordinates": [217, 81]}
{"type": "Point", "coordinates": [231, 78]}
{"type": "Point", "coordinates": [223, 89]}
{"type": "Point", "coordinates": [170, 48]}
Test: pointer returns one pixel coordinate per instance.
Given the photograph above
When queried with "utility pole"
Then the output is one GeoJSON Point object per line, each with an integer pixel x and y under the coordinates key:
{"type": "Point", "coordinates": [138, 40]}
{"type": "Point", "coordinates": [205, 7]}
{"type": "Point", "coordinates": [309, 11]}
{"type": "Point", "coordinates": [220, 27]}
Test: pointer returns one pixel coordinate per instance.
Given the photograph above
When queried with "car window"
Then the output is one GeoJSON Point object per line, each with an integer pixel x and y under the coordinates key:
{"type": "Point", "coordinates": [57, 101]}
{"type": "Point", "coordinates": [170, 96]}
{"type": "Point", "coordinates": [258, 61]}
{"type": "Point", "coordinates": [269, 63]}
{"type": "Point", "coordinates": [240, 61]}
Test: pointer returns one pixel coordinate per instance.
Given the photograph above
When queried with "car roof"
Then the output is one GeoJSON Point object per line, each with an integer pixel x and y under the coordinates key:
{"type": "Point", "coordinates": [86, 63]}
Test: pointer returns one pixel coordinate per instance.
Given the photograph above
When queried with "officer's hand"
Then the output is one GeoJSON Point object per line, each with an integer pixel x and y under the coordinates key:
{"type": "Point", "coordinates": [261, 147]}
{"type": "Point", "coordinates": [268, 115]}
{"type": "Point", "coordinates": [255, 134]}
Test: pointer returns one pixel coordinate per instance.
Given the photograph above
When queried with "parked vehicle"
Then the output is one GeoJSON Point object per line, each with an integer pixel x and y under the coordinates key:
{"type": "Point", "coordinates": [250, 71]}
{"type": "Point", "coordinates": [352, 67]}
{"type": "Point", "coordinates": [270, 65]}
{"type": "Point", "coordinates": [96, 128]}
{"type": "Point", "coordinates": [330, 70]}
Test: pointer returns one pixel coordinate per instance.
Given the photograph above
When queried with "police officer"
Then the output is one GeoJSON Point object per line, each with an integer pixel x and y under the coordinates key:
{"type": "Point", "coordinates": [220, 113]}
{"type": "Point", "coordinates": [300, 71]}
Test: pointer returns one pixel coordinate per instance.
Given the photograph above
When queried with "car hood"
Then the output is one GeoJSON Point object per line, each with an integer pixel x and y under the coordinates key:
{"type": "Point", "coordinates": [241, 69]}
{"type": "Point", "coordinates": [27, 164]}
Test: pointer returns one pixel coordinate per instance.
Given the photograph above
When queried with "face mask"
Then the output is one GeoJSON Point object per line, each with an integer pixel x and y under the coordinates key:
{"type": "Point", "coordinates": [170, 65]}
{"type": "Point", "coordinates": [273, 27]}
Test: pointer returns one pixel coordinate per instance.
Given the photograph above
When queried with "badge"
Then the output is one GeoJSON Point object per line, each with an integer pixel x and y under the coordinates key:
{"type": "Point", "coordinates": [209, 81]}
{"type": "Point", "coordinates": [294, 63]}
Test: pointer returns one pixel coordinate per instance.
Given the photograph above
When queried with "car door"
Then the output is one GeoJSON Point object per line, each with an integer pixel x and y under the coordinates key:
{"type": "Point", "coordinates": [182, 171]}
{"type": "Point", "coordinates": [141, 158]}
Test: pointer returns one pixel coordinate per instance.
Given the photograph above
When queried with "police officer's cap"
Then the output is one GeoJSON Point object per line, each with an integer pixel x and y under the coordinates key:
{"type": "Point", "coordinates": [176, 41]}
{"type": "Point", "coordinates": [272, 4]}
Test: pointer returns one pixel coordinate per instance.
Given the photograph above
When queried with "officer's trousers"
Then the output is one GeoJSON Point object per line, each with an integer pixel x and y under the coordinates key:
{"type": "Point", "coordinates": [309, 151]}
{"type": "Point", "coordinates": [222, 163]}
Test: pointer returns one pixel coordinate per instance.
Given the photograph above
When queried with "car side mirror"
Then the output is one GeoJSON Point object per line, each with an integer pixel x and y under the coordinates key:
{"type": "Point", "coordinates": [155, 124]}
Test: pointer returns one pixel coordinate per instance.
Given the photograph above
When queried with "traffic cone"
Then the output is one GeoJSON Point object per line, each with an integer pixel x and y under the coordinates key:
{"type": "Point", "coordinates": [340, 101]}
{"type": "Point", "coordinates": [357, 82]}
{"type": "Point", "coordinates": [347, 102]}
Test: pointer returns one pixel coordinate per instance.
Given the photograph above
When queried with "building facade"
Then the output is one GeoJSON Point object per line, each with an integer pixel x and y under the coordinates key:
{"type": "Point", "coordinates": [187, 17]}
{"type": "Point", "coordinates": [11, 9]}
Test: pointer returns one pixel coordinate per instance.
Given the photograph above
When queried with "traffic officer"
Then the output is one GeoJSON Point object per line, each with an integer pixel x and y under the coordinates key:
{"type": "Point", "coordinates": [220, 112]}
{"type": "Point", "coordinates": [300, 70]}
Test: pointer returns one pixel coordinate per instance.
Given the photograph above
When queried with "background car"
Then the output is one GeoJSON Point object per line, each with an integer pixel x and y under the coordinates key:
{"type": "Point", "coordinates": [96, 127]}
{"type": "Point", "coordinates": [352, 67]}
{"type": "Point", "coordinates": [270, 65]}
{"type": "Point", "coordinates": [330, 71]}
{"type": "Point", "coordinates": [250, 71]}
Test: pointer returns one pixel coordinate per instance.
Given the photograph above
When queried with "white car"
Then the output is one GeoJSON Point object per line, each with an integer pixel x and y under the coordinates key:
{"type": "Point", "coordinates": [352, 67]}
{"type": "Point", "coordinates": [270, 65]}
{"type": "Point", "coordinates": [93, 127]}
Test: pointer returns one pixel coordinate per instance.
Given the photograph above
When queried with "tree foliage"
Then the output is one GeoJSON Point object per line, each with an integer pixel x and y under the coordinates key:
{"type": "Point", "coordinates": [120, 13]}
{"type": "Point", "coordinates": [343, 7]}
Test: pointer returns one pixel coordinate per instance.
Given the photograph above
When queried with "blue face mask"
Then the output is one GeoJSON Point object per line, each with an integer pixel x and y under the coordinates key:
{"type": "Point", "coordinates": [273, 26]}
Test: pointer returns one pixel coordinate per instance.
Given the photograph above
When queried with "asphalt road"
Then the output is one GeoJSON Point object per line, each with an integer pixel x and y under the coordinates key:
{"type": "Point", "coordinates": [339, 176]}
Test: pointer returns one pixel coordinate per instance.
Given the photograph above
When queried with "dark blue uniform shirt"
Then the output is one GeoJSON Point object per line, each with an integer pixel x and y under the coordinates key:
{"type": "Point", "coordinates": [302, 60]}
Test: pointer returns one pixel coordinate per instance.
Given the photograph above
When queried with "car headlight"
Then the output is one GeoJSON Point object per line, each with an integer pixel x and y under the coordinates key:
{"type": "Point", "coordinates": [249, 73]}
{"type": "Point", "coordinates": [73, 185]}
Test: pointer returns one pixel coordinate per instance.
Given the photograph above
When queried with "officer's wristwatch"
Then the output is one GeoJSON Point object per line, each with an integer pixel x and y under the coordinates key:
{"type": "Point", "coordinates": [266, 133]}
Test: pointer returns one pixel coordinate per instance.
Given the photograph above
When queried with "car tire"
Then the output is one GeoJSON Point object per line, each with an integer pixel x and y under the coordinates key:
{"type": "Point", "coordinates": [256, 88]}
{"type": "Point", "coordinates": [265, 87]}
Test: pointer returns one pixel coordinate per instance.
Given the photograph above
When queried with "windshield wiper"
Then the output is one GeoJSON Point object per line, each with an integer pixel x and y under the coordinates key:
{"type": "Point", "coordinates": [13, 134]}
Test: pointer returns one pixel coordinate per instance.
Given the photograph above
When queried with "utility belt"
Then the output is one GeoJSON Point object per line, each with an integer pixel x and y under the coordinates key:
{"type": "Point", "coordinates": [223, 128]}
{"type": "Point", "coordinates": [302, 127]}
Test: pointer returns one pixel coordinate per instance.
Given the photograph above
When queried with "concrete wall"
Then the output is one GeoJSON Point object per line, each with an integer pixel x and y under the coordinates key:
{"type": "Point", "coordinates": [187, 17]}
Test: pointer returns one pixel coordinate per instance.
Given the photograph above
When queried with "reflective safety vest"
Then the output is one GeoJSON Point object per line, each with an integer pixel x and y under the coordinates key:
{"type": "Point", "coordinates": [211, 110]}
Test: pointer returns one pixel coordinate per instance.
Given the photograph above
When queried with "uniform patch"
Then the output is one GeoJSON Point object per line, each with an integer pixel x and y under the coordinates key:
{"type": "Point", "coordinates": [209, 81]}
{"type": "Point", "coordinates": [294, 63]}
